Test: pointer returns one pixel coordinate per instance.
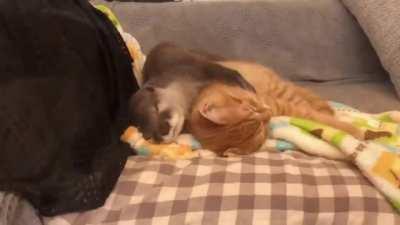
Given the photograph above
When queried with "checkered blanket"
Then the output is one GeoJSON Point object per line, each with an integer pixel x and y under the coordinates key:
{"type": "Point", "coordinates": [264, 188]}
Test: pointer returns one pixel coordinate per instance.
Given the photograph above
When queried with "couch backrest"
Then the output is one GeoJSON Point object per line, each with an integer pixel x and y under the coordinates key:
{"type": "Point", "coordinates": [301, 39]}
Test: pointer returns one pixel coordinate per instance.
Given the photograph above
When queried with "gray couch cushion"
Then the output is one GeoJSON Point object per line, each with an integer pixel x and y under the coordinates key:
{"type": "Point", "coordinates": [302, 39]}
{"type": "Point", "coordinates": [381, 22]}
{"type": "Point", "coordinates": [368, 96]}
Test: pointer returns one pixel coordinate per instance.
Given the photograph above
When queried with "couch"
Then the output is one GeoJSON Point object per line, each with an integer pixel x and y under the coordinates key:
{"type": "Point", "coordinates": [317, 44]}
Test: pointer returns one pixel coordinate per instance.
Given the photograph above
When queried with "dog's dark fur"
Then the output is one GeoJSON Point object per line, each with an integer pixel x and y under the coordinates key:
{"type": "Point", "coordinates": [173, 71]}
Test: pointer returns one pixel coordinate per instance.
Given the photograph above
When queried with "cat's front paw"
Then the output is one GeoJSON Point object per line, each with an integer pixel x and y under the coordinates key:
{"type": "Point", "coordinates": [176, 122]}
{"type": "Point", "coordinates": [232, 152]}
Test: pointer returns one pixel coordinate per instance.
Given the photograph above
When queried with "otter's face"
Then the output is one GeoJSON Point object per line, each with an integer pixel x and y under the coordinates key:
{"type": "Point", "coordinates": [155, 118]}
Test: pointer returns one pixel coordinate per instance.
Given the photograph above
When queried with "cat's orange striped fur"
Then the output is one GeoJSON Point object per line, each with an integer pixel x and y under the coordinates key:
{"type": "Point", "coordinates": [221, 117]}
{"type": "Point", "coordinates": [270, 86]}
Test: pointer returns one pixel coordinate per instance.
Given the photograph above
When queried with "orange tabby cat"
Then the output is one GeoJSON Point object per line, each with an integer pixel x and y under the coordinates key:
{"type": "Point", "coordinates": [230, 120]}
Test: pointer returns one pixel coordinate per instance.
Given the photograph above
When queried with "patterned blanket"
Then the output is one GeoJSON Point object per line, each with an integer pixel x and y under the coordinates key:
{"type": "Point", "coordinates": [378, 159]}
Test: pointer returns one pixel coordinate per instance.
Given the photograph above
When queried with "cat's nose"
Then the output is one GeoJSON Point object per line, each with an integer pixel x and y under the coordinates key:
{"type": "Point", "coordinates": [263, 116]}
{"type": "Point", "coordinates": [266, 107]}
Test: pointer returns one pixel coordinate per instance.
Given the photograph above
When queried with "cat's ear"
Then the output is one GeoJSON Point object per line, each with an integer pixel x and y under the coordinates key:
{"type": "Point", "coordinates": [226, 114]}
{"type": "Point", "coordinates": [211, 113]}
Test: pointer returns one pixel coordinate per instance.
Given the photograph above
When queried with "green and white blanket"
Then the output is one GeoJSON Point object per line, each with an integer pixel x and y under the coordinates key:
{"type": "Point", "coordinates": [378, 159]}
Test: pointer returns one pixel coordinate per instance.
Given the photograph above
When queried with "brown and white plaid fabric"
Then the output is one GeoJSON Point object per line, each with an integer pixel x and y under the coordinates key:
{"type": "Point", "coordinates": [264, 188]}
